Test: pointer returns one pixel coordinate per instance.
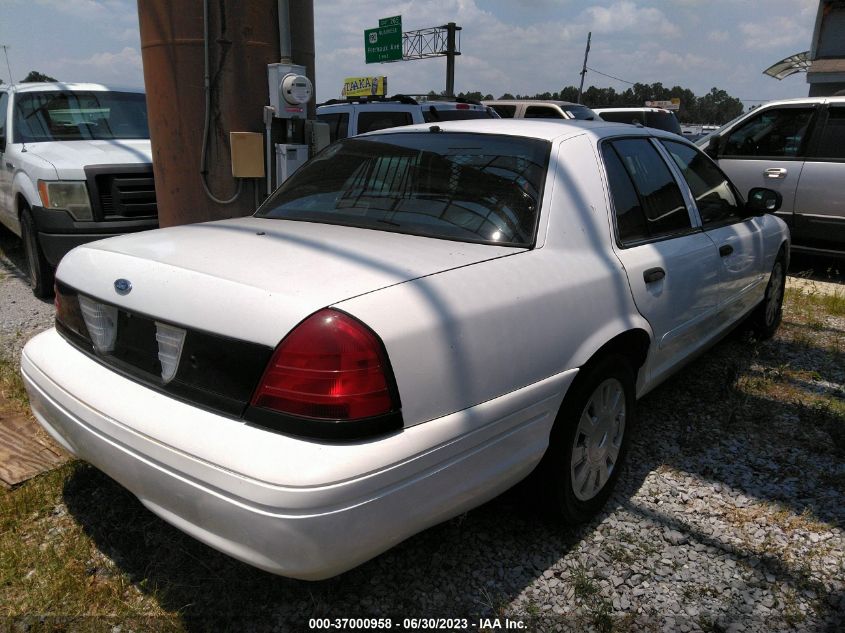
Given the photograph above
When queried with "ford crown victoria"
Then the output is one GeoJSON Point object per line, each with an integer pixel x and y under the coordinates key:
{"type": "Point", "coordinates": [414, 322]}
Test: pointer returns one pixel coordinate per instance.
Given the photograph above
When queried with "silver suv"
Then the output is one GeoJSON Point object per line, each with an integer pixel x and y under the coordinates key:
{"type": "Point", "coordinates": [797, 147]}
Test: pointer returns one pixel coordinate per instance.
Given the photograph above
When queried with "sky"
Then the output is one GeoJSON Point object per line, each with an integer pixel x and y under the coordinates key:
{"type": "Point", "coordinates": [515, 46]}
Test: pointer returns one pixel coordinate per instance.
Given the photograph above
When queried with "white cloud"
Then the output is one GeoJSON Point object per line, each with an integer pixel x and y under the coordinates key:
{"type": "Point", "coordinates": [718, 36]}
{"type": "Point", "coordinates": [122, 68]}
{"type": "Point", "coordinates": [777, 33]}
{"type": "Point", "coordinates": [626, 16]}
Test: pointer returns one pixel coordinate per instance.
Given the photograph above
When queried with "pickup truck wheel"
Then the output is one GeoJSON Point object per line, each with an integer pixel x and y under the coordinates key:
{"type": "Point", "coordinates": [39, 269]}
{"type": "Point", "coordinates": [766, 318]}
{"type": "Point", "coordinates": [589, 440]}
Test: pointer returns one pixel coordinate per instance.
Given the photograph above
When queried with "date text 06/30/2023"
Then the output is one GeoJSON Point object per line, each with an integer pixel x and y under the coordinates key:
{"type": "Point", "coordinates": [412, 624]}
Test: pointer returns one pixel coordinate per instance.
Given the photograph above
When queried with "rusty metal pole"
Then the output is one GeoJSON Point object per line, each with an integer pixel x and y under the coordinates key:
{"type": "Point", "coordinates": [243, 39]}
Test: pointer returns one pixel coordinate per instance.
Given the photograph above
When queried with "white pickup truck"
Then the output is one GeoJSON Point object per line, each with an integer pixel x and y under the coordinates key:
{"type": "Point", "coordinates": [75, 166]}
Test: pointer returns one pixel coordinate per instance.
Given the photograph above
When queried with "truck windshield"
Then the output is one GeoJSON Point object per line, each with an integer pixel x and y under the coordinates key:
{"type": "Point", "coordinates": [77, 116]}
{"type": "Point", "coordinates": [483, 188]}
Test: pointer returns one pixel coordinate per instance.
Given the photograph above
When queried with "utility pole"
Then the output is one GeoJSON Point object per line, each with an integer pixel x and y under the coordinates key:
{"type": "Point", "coordinates": [6, 53]}
{"type": "Point", "coordinates": [451, 52]}
{"type": "Point", "coordinates": [231, 43]}
{"type": "Point", "coordinates": [584, 67]}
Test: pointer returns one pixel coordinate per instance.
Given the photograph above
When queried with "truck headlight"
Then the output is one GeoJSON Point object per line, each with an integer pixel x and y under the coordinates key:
{"type": "Point", "coordinates": [70, 196]}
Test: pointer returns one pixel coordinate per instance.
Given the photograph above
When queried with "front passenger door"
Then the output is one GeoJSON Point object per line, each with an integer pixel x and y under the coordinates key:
{"type": "Point", "coordinates": [738, 238]}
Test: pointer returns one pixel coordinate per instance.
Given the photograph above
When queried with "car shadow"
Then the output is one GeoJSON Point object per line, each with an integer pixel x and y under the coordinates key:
{"type": "Point", "coordinates": [702, 422]}
{"type": "Point", "coordinates": [12, 256]}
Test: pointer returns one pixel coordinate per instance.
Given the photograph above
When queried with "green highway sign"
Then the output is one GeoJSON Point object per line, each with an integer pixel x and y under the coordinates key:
{"type": "Point", "coordinates": [384, 44]}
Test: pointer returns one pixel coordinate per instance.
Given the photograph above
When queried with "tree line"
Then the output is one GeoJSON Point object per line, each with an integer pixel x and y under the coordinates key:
{"type": "Point", "coordinates": [715, 107]}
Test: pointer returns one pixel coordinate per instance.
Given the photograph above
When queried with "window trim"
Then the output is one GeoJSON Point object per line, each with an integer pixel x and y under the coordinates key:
{"type": "Point", "coordinates": [687, 191]}
{"type": "Point", "coordinates": [612, 204]}
{"type": "Point", "coordinates": [805, 142]}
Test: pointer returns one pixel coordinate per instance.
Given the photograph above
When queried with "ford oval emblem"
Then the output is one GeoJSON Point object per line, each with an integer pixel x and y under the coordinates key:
{"type": "Point", "coordinates": [123, 286]}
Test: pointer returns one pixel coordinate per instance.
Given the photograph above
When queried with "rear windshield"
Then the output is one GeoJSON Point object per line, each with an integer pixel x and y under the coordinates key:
{"type": "Point", "coordinates": [660, 120]}
{"type": "Point", "coordinates": [482, 188]}
{"type": "Point", "coordinates": [431, 114]}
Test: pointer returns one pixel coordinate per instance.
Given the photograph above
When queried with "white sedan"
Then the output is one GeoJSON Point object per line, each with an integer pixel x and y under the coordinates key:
{"type": "Point", "coordinates": [413, 323]}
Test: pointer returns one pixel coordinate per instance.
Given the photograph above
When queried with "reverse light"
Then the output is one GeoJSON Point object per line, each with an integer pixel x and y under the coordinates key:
{"type": "Point", "coordinates": [330, 367]}
{"type": "Point", "coordinates": [70, 196]}
{"type": "Point", "coordinates": [170, 341]}
{"type": "Point", "coordinates": [101, 321]}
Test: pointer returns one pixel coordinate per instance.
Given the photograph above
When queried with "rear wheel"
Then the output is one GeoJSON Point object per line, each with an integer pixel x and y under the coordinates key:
{"type": "Point", "coordinates": [589, 440]}
{"type": "Point", "coordinates": [766, 317]}
{"type": "Point", "coordinates": [40, 273]}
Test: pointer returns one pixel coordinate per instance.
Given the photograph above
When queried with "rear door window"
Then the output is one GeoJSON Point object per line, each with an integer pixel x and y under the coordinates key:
{"type": "Point", "coordinates": [831, 145]}
{"type": "Point", "coordinates": [505, 111]}
{"type": "Point", "coordinates": [663, 208]}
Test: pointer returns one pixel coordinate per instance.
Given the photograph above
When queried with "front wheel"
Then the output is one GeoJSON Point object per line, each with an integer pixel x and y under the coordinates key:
{"type": "Point", "coordinates": [40, 272]}
{"type": "Point", "coordinates": [766, 318]}
{"type": "Point", "coordinates": [589, 440]}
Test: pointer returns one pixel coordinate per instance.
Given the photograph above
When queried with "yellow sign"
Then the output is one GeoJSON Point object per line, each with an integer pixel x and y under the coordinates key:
{"type": "Point", "coordinates": [364, 86]}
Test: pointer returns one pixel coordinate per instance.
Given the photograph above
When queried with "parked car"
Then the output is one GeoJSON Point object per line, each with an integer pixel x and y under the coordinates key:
{"type": "Point", "coordinates": [657, 118]}
{"type": "Point", "coordinates": [413, 322]}
{"type": "Point", "coordinates": [538, 109]}
{"type": "Point", "coordinates": [77, 168]}
{"type": "Point", "coordinates": [359, 115]}
{"type": "Point", "coordinates": [796, 147]}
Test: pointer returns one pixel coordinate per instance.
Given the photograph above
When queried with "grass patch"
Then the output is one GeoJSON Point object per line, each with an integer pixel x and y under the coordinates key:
{"type": "Point", "coordinates": [12, 390]}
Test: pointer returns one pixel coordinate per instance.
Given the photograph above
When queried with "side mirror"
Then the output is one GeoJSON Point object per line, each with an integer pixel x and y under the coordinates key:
{"type": "Point", "coordinates": [762, 201]}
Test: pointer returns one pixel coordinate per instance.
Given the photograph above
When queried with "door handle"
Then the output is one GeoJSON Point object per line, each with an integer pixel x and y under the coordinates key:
{"type": "Point", "coordinates": [775, 172]}
{"type": "Point", "coordinates": [725, 250]}
{"type": "Point", "coordinates": [653, 274]}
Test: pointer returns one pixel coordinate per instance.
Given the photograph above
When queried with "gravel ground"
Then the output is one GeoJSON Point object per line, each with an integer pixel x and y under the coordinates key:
{"type": "Point", "coordinates": [728, 517]}
{"type": "Point", "coordinates": [21, 315]}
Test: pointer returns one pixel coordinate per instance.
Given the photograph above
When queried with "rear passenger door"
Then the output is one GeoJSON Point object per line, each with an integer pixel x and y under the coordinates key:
{"type": "Point", "coordinates": [820, 202]}
{"type": "Point", "coordinates": [738, 238]}
{"type": "Point", "coordinates": [672, 266]}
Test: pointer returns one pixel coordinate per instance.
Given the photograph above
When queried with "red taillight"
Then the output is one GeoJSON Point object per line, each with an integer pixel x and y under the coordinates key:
{"type": "Point", "coordinates": [332, 367]}
{"type": "Point", "coordinates": [462, 106]}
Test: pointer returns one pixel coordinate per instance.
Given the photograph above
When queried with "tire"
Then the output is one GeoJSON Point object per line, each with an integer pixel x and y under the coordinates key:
{"type": "Point", "coordinates": [580, 468]}
{"type": "Point", "coordinates": [766, 317]}
{"type": "Point", "coordinates": [40, 273]}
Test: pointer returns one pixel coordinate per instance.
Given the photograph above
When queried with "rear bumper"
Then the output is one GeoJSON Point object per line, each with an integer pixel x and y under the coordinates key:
{"type": "Point", "coordinates": [293, 507]}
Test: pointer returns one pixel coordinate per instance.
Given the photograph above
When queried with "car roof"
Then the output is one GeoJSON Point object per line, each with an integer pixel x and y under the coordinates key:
{"type": "Point", "coordinates": [629, 109]}
{"type": "Point", "coordinates": [61, 85]}
{"type": "Point", "coordinates": [544, 129]}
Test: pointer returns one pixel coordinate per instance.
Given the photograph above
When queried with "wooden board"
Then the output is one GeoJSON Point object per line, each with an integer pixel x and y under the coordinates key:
{"type": "Point", "coordinates": [25, 450]}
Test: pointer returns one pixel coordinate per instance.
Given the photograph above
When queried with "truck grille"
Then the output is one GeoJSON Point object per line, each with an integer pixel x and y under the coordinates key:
{"type": "Point", "coordinates": [127, 196]}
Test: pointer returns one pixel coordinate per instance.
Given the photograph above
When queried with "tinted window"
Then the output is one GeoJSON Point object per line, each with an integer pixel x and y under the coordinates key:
{"type": "Point", "coordinates": [73, 116]}
{"type": "Point", "coordinates": [505, 111]}
{"type": "Point", "coordinates": [712, 191]}
{"type": "Point", "coordinates": [582, 113]}
{"type": "Point", "coordinates": [4, 105]}
{"type": "Point", "coordinates": [469, 187]}
{"type": "Point", "coordinates": [542, 112]}
{"type": "Point", "coordinates": [774, 132]}
{"type": "Point", "coordinates": [431, 113]}
{"type": "Point", "coordinates": [372, 121]}
{"type": "Point", "coordinates": [623, 116]}
{"type": "Point", "coordinates": [630, 221]}
{"type": "Point", "coordinates": [663, 121]}
{"type": "Point", "coordinates": [338, 124]}
{"type": "Point", "coordinates": [661, 200]}
{"type": "Point", "coordinates": [832, 145]}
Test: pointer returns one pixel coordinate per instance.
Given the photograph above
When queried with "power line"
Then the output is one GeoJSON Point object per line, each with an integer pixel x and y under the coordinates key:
{"type": "Point", "coordinates": [598, 72]}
